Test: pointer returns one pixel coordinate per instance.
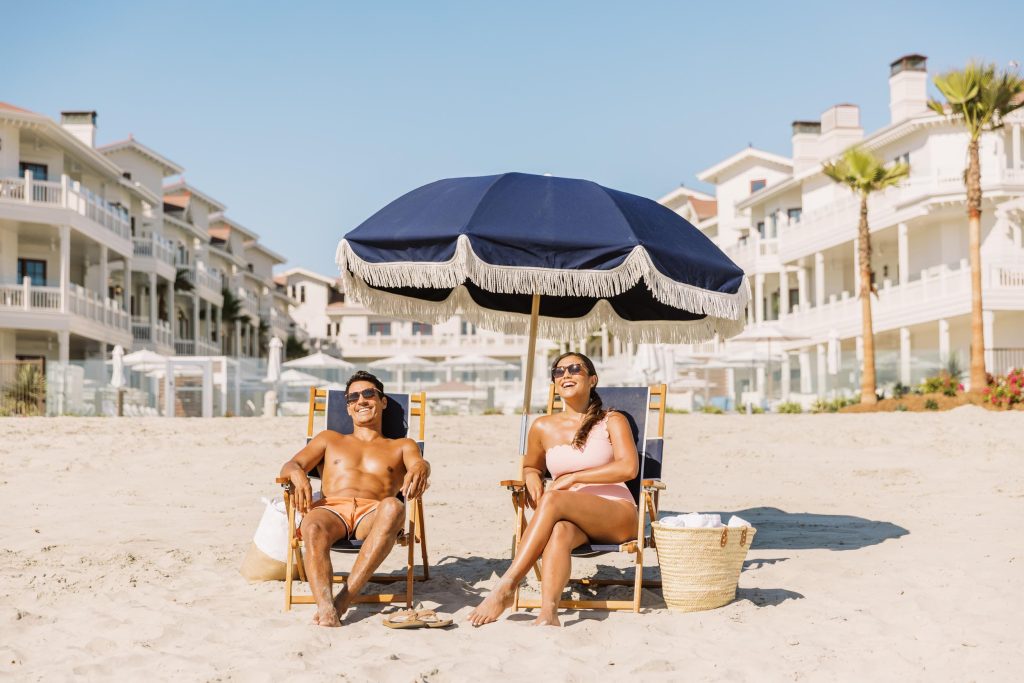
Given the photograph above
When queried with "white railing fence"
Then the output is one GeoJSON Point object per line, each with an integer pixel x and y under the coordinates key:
{"type": "Point", "coordinates": [67, 194]}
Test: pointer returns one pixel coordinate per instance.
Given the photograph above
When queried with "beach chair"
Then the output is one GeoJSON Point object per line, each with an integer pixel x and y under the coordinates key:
{"type": "Point", "coordinates": [401, 407]}
{"type": "Point", "coordinates": [639, 405]}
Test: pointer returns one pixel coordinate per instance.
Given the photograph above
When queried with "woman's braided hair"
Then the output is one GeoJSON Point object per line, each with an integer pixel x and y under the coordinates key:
{"type": "Point", "coordinates": [595, 408]}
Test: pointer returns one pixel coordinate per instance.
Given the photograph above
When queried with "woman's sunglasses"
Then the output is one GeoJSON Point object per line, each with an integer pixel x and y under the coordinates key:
{"type": "Point", "coordinates": [365, 393]}
{"type": "Point", "coordinates": [560, 372]}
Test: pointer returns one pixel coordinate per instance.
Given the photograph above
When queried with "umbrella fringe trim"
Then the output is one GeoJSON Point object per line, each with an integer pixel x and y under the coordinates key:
{"type": "Point", "coordinates": [460, 302]}
{"type": "Point", "coordinates": [466, 265]}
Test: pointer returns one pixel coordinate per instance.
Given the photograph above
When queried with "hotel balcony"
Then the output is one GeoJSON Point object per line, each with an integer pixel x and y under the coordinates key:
{"type": "Point", "coordinates": [756, 255]}
{"type": "Point", "coordinates": [77, 310]}
{"type": "Point", "coordinates": [209, 282]}
{"type": "Point", "coordinates": [190, 347]}
{"type": "Point", "coordinates": [836, 223]}
{"type": "Point", "coordinates": [158, 337]}
{"type": "Point", "coordinates": [939, 293]}
{"type": "Point", "coordinates": [153, 253]}
{"type": "Point", "coordinates": [66, 202]}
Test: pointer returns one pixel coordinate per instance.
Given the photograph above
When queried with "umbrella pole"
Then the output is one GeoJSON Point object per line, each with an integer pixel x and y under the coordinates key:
{"type": "Point", "coordinates": [528, 387]}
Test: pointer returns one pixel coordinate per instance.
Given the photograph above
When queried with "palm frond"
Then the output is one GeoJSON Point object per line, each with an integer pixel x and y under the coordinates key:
{"type": "Point", "coordinates": [863, 172]}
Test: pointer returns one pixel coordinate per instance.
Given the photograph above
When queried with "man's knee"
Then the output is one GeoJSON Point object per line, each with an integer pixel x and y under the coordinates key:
{"type": "Point", "coordinates": [315, 532]}
{"type": "Point", "coordinates": [392, 511]}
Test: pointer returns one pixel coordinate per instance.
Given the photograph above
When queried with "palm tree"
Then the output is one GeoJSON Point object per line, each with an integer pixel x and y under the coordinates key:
{"type": "Point", "coordinates": [864, 173]}
{"type": "Point", "coordinates": [181, 281]}
{"type": "Point", "coordinates": [979, 96]}
{"type": "Point", "coordinates": [230, 311]}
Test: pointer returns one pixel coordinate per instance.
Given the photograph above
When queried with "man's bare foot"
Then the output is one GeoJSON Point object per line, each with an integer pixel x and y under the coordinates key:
{"type": "Point", "coordinates": [342, 601]}
{"type": "Point", "coordinates": [328, 618]}
{"type": "Point", "coordinates": [547, 619]}
{"type": "Point", "coordinates": [493, 605]}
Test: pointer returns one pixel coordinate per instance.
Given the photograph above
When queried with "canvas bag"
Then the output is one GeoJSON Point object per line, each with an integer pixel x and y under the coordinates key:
{"type": "Point", "coordinates": [265, 560]}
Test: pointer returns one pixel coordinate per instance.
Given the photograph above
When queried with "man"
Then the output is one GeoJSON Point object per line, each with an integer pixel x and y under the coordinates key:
{"type": "Point", "coordinates": [362, 473]}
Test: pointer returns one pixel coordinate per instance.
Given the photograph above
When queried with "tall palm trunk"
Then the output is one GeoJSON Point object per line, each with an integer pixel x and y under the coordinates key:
{"type": "Point", "coordinates": [973, 180]}
{"type": "Point", "coordinates": [867, 379]}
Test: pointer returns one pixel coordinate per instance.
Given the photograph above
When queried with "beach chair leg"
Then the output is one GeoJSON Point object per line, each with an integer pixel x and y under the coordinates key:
{"type": "Point", "coordinates": [288, 567]}
{"type": "Point", "coordinates": [423, 538]}
{"type": "Point", "coordinates": [638, 580]}
{"type": "Point", "coordinates": [409, 569]}
{"type": "Point", "coordinates": [300, 565]}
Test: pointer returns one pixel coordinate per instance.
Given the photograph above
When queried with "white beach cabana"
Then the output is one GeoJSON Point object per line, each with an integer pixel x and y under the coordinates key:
{"type": "Point", "coordinates": [400, 364]}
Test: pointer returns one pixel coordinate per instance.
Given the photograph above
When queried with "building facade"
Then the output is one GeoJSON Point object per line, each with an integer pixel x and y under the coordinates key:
{"type": "Point", "coordinates": [794, 231]}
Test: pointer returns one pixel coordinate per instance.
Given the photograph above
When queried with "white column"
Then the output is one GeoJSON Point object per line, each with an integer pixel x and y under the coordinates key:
{"type": "Point", "coordinates": [903, 253]}
{"type": "Point", "coordinates": [801, 286]}
{"type": "Point", "coordinates": [65, 266]}
{"type": "Point", "coordinates": [785, 379]}
{"type": "Point", "coordinates": [905, 355]}
{"type": "Point", "coordinates": [759, 297]}
{"type": "Point", "coordinates": [988, 323]}
{"type": "Point", "coordinates": [152, 305]}
{"type": "Point", "coordinates": [195, 322]}
{"type": "Point", "coordinates": [730, 381]}
{"type": "Point", "coordinates": [604, 344]}
{"type": "Point", "coordinates": [943, 341]}
{"type": "Point", "coordinates": [819, 279]}
{"type": "Point", "coordinates": [238, 339]}
{"type": "Point", "coordinates": [819, 352]}
{"type": "Point", "coordinates": [806, 384]}
{"type": "Point", "coordinates": [104, 274]}
{"type": "Point", "coordinates": [759, 382]}
{"type": "Point", "coordinates": [1015, 145]}
{"type": "Point", "coordinates": [64, 347]}
{"type": "Point", "coordinates": [783, 293]}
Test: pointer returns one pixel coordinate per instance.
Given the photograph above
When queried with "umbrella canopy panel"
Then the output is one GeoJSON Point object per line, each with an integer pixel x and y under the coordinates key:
{"type": "Point", "coordinates": [486, 245]}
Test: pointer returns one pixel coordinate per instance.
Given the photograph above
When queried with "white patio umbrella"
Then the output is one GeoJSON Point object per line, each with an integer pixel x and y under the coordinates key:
{"type": "Point", "coordinates": [274, 361]}
{"type": "Point", "coordinates": [401, 363]}
{"type": "Point", "coordinates": [646, 362]}
{"type": "Point", "coordinates": [474, 362]}
{"type": "Point", "coordinates": [117, 371]}
{"type": "Point", "coordinates": [295, 377]}
{"type": "Point", "coordinates": [144, 360]}
{"type": "Point", "coordinates": [319, 361]}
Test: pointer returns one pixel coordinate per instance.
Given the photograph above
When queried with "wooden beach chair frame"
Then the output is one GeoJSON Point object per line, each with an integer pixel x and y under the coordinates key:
{"type": "Point", "coordinates": [320, 401]}
{"type": "Point", "coordinates": [646, 489]}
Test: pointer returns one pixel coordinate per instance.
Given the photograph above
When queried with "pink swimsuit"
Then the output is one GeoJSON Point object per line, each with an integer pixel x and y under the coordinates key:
{"type": "Point", "coordinates": [566, 458]}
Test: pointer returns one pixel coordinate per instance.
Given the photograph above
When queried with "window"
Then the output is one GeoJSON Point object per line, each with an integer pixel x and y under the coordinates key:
{"type": "Point", "coordinates": [902, 159]}
{"type": "Point", "coordinates": [380, 329]}
{"type": "Point", "coordinates": [249, 266]}
{"type": "Point", "coordinates": [126, 175]}
{"type": "Point", "coordinates": [466, 328]}
{"type": "Point", "coordinates": [34, 269]}
{"type": "Point", "coordinates": [760, 228]}
{"type": "Point", "coordinates": [773, 222]}
{"type": "Point", "coordinates": [422, 329]}
{"type": "Point", "coordinates": [39, 171]}
{"type": "Point", "coordinates": [794, 214]}
{"type": "Point", "coordinates": [302, 294]}
{"type": "Point", "coordinates": [758, 184]}
{"type": "Point", "coordinates": [329, 327]}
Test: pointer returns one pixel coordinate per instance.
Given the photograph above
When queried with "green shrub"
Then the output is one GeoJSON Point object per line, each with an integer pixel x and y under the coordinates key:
{"type": "Point", "coordinates": [931, 404]}
{"type": "Point", "coordinates": [1005, 391]}
{"type": "Point", "coordinates": [790, 408]}
{"type": "Point", "coordinates": [493, 411]}
{"type": "Point", "coordinates": [711, 410]}
{"type": "Point", "coordinates": [900, 390]}
{"type": "Point", "coordinates": [669, 410]}
{"type": "Point", "coordinates": [900, 408]}
{"type": "Point", "coordinates": [942, 383]}
{"type": "Point", "coordinates": [833, 406]}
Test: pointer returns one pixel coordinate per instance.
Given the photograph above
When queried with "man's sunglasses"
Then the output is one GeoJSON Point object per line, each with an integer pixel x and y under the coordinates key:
{"type": "Point", "coordinates": [365, 393]}
{"type": "Point", "coordinates": [560, 372]}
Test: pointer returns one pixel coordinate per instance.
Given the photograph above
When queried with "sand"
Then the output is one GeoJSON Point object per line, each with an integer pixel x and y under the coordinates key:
{"type": "Point", "coordinates": [889, 548]}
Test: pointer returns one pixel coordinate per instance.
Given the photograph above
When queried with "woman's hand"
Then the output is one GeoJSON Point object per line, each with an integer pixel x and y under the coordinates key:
{"type": "Point", "coordinates": [564, 482]}
{"type": "Point", "coordinates": [534, 489]}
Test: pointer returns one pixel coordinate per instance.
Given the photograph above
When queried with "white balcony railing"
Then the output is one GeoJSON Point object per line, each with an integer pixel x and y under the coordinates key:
{"type": "Point", "coordinates": [746, 254]}
{"type": "Point", "coordinates": [80, 302]}
{"type": "Point", "coordinates": [159, 334]}
{"type": "Point", "coordinates": [67, 194]}
{"type": "Point", "coordinates": [154, 246]}
{"type": "Point", "coordinates": [445, 344]}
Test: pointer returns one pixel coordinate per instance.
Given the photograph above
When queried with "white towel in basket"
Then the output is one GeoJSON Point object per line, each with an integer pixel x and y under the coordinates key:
{"type": "Point", "coordinates": [693, 520]}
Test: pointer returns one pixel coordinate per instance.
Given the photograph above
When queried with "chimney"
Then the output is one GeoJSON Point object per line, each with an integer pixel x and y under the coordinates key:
{"type": "Point", "coordinates": [840, 128]}
{"type": "Point", "coordinates": [908, 87]}
{"type": "Point", "coordinates": [81, 124]}
{"type": "Point", "coordinates": [805, 144]}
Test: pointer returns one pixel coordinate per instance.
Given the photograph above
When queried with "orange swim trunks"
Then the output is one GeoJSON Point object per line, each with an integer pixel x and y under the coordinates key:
{"type": "Point", "coordinates": [351, 511]}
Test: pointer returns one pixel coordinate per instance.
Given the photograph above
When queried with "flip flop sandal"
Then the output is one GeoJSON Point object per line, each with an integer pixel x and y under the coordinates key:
{"type": "Point", "coordinates": [407, 618]}
{"type": "Point", "coordinates": [430, 619]}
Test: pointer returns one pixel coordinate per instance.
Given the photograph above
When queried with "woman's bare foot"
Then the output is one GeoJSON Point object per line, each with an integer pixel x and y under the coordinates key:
{"type": "Point", "coordinates": [329, 618]}
{"type": "Point", "coordinates": [547, 619]}
{"type": "Point", "coordinates": [493, 605]}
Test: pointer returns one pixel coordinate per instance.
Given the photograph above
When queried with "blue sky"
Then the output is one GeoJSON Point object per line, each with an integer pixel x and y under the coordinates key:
{"type": "Point", "coordinates": [305, 118]}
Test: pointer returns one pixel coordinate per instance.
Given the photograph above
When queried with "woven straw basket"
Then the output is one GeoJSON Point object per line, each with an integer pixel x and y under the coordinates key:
{"type": "Point", "coordinates": [700, 567]}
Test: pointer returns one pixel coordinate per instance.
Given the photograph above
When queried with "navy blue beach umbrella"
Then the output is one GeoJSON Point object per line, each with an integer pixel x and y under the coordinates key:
{"type": "Point", "coordinates": [531, 254]}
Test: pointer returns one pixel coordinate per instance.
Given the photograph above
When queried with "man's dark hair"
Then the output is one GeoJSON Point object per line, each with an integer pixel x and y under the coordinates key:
{"type": "Point", "coordinates": [364, 376]}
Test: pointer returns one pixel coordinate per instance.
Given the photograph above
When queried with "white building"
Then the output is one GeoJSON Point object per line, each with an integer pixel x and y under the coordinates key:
{"type": "Point", "coordinates": [793, 230]}
{"type": "Point", "coordinates": [98, 249]}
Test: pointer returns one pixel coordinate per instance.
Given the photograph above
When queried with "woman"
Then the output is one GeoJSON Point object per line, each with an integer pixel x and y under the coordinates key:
{"type": "Point", "coordinates": [590, 453]}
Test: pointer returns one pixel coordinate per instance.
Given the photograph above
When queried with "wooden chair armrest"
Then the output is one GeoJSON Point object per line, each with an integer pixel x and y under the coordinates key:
{"type": "Point", "coordinates": [282, 480]}
{"type": "Point", "coordinates": [654, 484]}
{"type": "Point", "coordinates": [513, 483]}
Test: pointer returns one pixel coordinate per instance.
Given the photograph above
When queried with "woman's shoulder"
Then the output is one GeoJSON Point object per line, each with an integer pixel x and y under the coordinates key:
{"type": "Point", "coordinates": [614, 417]}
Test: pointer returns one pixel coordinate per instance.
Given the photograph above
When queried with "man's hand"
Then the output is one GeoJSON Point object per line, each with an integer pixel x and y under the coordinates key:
{"type": "Point", "coordinates": [416, 480]}
{"type": "Point", "coordinates": [302, 491]}
{"type": "Point", "coordinates": [564, 482]}
{"type": "Point", "coordinates": [534, 489]}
